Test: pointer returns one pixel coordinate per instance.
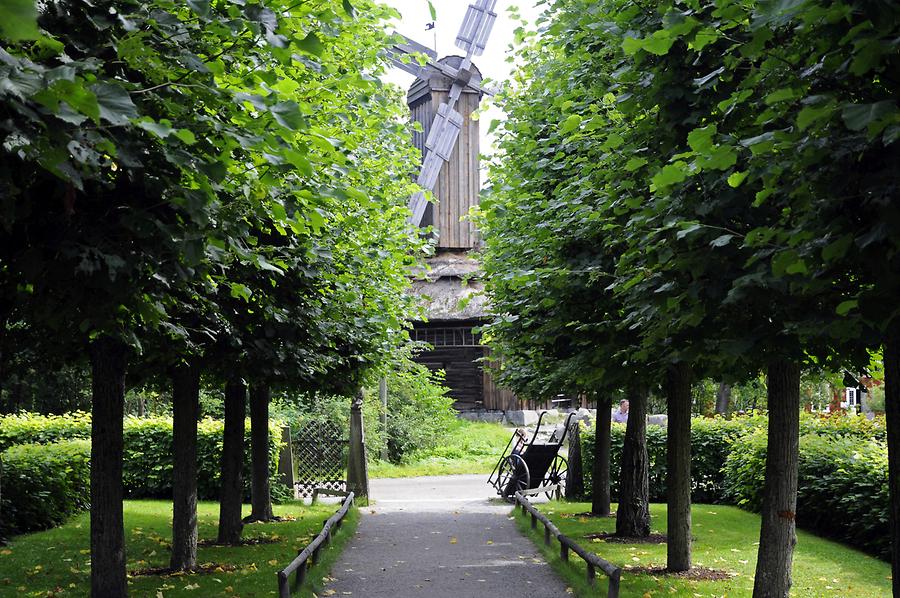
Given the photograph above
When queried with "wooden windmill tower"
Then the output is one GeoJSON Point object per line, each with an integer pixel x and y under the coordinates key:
{"type": "Point", "coordinates": [443, 98]}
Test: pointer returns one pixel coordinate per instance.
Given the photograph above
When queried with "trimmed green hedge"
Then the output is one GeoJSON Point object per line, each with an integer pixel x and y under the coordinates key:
{"type": "Point", "coordinates": [33, 428]}
{"type": "Point", "coordinates": [710, 442]}
{"type": "Point", "coordinates": [842, 489]}
{"type": "Point", "coordinates": [147, 469]}
{"type": "Point", "coordinates": [43, 485]}
{"type": "Point", "coordinates": [843, 484]}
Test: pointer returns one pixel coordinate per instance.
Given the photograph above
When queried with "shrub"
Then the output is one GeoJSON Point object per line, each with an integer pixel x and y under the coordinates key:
{"type": "Point", "coordinates": [842, 486]}
{"type": "Point", "coordinates": [420, 414]}
{"type": "Point", "coordinates": [844, 424]}
{"type": "Point", "coordinates": [42, 485]}
{"type": "Point", "coordinates": [710, 442]}
{"type": "Point", "coordinates": [147, 470]}
{"type": "Point", "coordinates": [32, 428]}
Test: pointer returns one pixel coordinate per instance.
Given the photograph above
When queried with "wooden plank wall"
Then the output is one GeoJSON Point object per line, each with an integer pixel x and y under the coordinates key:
{"type": "Point", "coordinates": [458, 186]}
{"type": "Point", "coordinates": [464, 377]}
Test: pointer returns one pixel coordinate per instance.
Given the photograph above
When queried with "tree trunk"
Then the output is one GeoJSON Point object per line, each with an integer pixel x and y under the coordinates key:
{"type": "Point", "coordinates": [723, 399]}
{"type": "Point", "coordinates": [600, 498]}
{"type": "Point", "coordinates": [633, 514]}
{"type": "Point", "coordinates": [109, 360]}
{"type": "Point", "coordinates": [574, 489]}
{"type": "Point", "coordinates": [231, 494]}
{"type": "Point", "coordinates": [185, 412]}
{"type": "Point", "coordinates": [777, 535]}
{"type": "Point", "coordinates": [260, 494]}
{"type": "Point", "coordinates": [678, 467]}
{"type": "Point", "coordinates": [892, 416]}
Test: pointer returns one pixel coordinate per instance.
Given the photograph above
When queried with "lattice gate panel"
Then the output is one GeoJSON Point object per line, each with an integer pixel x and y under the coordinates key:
{"type": "Point", "coordinates": [320, 453]}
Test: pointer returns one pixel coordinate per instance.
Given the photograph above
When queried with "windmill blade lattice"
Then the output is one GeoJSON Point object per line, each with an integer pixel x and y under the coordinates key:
{"type": "Point", "coordinates": [472, 38]}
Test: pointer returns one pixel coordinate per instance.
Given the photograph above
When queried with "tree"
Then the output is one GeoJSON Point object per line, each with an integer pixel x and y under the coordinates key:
{"type": "Point", "coordinates": [119, 194]}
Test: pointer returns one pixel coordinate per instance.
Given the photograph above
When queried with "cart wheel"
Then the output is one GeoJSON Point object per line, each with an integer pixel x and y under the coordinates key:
{"type": "Point", "coordinates": [513, 476]}
{"type": "Point", "coordinates": [557, 474]}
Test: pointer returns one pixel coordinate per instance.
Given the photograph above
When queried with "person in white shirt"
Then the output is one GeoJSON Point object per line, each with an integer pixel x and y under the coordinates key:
{"type": "Point", "coordinates": [621, 416]}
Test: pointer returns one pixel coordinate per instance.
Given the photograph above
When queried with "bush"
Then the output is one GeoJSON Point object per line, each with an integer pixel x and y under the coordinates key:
{"type": "Point", "coordinates": [147, 470]}
{"type": "Point", "coordinates": [842, 486]}
{"type": "Point", "coordinates": [420, 414]}
{"type": "Point", "coordinates": [42, 485]}
{"type": "Point", "coordinates": [710, 442]}
{"type": "Point", "coordinates": [32, 428]}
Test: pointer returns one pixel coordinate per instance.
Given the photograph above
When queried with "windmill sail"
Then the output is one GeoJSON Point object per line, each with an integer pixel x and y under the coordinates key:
{"type": "Point", "coordinates": [476, 27]}
{"type": "Point", "coordinates": [472, 38]}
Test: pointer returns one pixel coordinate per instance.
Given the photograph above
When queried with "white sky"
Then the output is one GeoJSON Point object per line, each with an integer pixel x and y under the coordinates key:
{"type": "Point", "coordinates": [450, 13]}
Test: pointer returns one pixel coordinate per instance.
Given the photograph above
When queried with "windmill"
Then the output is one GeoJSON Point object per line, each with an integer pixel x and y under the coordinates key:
{"type": "Point", "coordinates": [443, 98]}
{"type": "Point", "coordinates": [445, 129]}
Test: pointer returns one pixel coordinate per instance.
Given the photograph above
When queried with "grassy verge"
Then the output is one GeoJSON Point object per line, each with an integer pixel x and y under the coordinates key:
{"type": "Point", "coordinates": [725, 538]}
{"type": "Point", "coordinates": [468, 447]}
{"type": "Point", "coordinates": [56, 562]}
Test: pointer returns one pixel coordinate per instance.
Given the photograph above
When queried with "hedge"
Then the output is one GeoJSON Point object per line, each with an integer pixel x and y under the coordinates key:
{"type": "Point", "coordinates": [843, 484]}
{"type": "Point", "coordinates": [710, 442]}
{"type": "Point", "coordinates": [147, 470]}
{"type": "Point", "coordinates": [33, 428]}
{"type": "Point", "coordinates": [42, 485]}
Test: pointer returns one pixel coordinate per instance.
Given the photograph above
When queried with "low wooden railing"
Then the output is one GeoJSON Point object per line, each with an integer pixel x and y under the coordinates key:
{"type": "Point", "coordinates": [310, 555]}
{"type": "Point", "coordinates": [566, 543]}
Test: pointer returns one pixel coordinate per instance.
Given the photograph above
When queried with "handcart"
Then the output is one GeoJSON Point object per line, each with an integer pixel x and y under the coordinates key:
{"type": "Point", "coordinates": [528, 464]}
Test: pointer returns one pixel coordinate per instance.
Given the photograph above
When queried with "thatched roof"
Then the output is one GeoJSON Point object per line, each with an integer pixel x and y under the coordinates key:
{"type": "Point", "coordinates": [451, 288]}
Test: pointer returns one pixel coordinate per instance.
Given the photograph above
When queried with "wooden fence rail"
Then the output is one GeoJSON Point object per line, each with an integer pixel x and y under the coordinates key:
{"type": "Point", "coordinates": [310, 555]}
{"type": "Point", "coordinates": [566, 544]}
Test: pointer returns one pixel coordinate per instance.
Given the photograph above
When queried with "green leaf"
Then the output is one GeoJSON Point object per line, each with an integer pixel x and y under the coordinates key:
{"type": "Point", "coordinates": [721, 241]}
{"type": "Point", "coordinates": [186, 136]}
{"type": "Point", "coordinates": [299, 161]}
{"type": "Point", "coordinates": [736, 178]}
{"type": "Point", "coordinates": [634, 163]}
{"type": "Point", "coordinates": [311, 44]}
{"type": "Point", "coordinates": [632, 46]}
{"type": "Point", "coordinates": [837, 249]}
{"type": "Point", "coordinates": [288, 115]}
{"type": "Point", "coordinates": [670, 175]}
{"type": "Point", "coordinates": [810, 114]}
{"type": "Point", "coordinates": [722, 158]}
{"type": "Point", "coordinates": [18, 20]}
{"type": "Point", "coordinates": [787, 262]}
{"type": "Point", "coordinates": [845, 307]}
{"type": "Point", "coordinates": [703, 38]}
{"type": "Point", "coordinates": [780, 95]}
{"type": "Point", "coordinates": [432, 11]}
{"type": "Point", "coordinates": [201, 7]}
{"type": "Point", "coordinates": [115, 104]}
{"type": "Point", "coordinates": [858, 116]}
{"type": "Point", "coordinates": [161, 129]}
{"type": "Point", "coordinates": [659, 43]}
{"type": "Point", "coordinates": [701, 140]}
{"type": "Point", "coordinates": [78, 98]}
{"type": "Point", "coordinates": [570, 124]}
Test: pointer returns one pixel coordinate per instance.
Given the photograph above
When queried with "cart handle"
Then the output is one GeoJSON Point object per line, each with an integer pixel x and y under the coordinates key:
{"type": "Point", "coordinates": [537, 427]}
{"type": "Point", "coordinates": [566, 429]}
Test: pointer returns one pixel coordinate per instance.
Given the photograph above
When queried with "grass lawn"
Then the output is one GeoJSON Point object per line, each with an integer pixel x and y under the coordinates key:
{"type": "Point", "coordinates": [57, 563]}
{"type": "Point", "coordinates": [726, 538]}
{"type": "Point", "coordinates": [469, 447]}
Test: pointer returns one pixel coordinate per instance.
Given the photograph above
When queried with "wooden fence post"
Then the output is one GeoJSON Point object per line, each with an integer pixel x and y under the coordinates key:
{"type": "Point", "coordinates": [357, 469]}
{"type": "Point", "coordinates": [287, 472]}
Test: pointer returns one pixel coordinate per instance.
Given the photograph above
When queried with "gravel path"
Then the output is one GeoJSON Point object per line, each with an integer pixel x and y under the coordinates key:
{"type": "Point", "coordinates": [440, 537]}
